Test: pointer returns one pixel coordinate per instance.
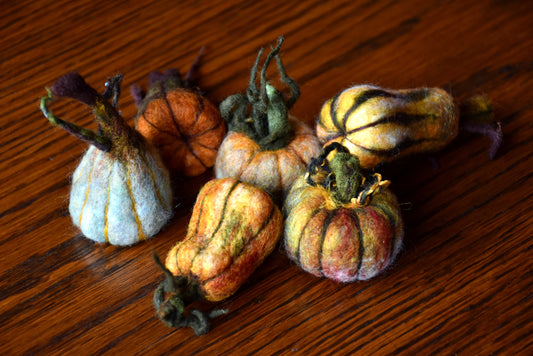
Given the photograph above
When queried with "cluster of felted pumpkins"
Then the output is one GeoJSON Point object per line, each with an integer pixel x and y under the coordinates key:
{"type": "Point", "coordinates": [339, 218]}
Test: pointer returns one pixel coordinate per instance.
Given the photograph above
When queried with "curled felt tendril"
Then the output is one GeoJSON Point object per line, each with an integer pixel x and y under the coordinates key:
{"type": "Point", "coordinates": [99, 141]}
{"type": "Point", "coordinates": [263, 113]}
{"type": "Point", "coordinates": [172, 310]}
{"type": "Point", "coordinates": [113, 135]}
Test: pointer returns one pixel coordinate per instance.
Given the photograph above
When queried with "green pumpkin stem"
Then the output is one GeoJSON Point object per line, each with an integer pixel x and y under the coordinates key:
{"type": "Point", "coordinates": [172, 310]}
{"type": "Point", "coordinates": [91, 137]}
{"type": "Point", "coordinates": [348, 177]}
{"type": "Point", "coordinates": [113, 135]}
{"type": "Point", "coordinates": [263, 113]}
{"type": "Point", "coordinates": [343, 176]}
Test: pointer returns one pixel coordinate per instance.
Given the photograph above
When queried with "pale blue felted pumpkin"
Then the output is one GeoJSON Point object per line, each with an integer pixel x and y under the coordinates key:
{"type": "Point", "coordinates": [120, 191]}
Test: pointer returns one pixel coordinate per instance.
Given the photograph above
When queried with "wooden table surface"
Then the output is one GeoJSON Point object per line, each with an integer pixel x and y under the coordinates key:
{"type": "Point", "coordinates": [463, 281]}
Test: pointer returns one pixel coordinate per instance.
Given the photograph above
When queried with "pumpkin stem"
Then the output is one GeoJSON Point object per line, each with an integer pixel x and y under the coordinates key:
{"type": "Point", "coordinates": [113, 135]}
{"type": "Point", "coordinates": [91, 137]}
{"type": "Point", "coordinates": [477, 116]}
{"type": "Point", "coordinates": [263, 113]}
{"type": "Point", "coordinates": [161, 83]}
{"type": "Point", "coordinates": [343, 176]}
{"type": "Point", "coordinates": [348, 177]}
{"type": "Point", "coordinates": [173, 310]}
{"type": "Point", "coordinates": [194, 67]}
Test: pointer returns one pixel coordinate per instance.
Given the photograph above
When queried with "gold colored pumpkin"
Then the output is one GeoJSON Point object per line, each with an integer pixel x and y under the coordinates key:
{"type": "Point", "coordinates": [380, 125]}
{"type": "Point", "coordinates": [234, 226]}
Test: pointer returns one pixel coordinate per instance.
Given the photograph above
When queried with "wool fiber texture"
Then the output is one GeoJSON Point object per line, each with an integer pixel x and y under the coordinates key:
{"type": "Point", "coordinates": [344, 242]}
{"type": "Point", "coordinates": [185, 127]}
{"type": "Point", "coordinates": [379, 125]}
{"type": "Point", "coordinates": [120, 202]}
{"type": "Point", "coordinates": [234, 226]}
{"type": "Point", "coordinates": [242, 158]}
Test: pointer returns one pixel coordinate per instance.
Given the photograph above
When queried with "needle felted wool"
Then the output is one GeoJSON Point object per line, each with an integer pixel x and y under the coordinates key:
{"type": "Point", "coordinates": [340, 224]}
{"type": "Point", "coordinates": [265, 146]}
{"type": "Point", "coordinates": [120, 191]}
{"type": "Point", "coordinates": [380, 125]}
{"type": "Point", "coordinates": [185, 126]}
{"type": "Point", "coordinates": [234, 226]}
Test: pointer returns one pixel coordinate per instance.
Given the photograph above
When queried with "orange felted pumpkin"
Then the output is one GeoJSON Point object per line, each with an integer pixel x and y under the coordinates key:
{"type": "Point", "coordinates": [234, 226]}
{"type": "Point", "coordinates": [185, 126]}
{"type": "Point", "coordinates": [265, 146]}
{"type": "Point", "coordinates": [339, 224]}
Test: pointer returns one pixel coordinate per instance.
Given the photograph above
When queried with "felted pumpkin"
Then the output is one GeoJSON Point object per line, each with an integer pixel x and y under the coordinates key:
{"type": "Point", "coordinates": [185, 126]}
{"type": "Point", "coordinates": [380, 125]}
{"type": "Point", "coordinates": [121, 190]}
{"type": "Point", "coordinates": [234, 226]}
{"type": "Point", "coordinates": [265, 146]}
{"type": "Point", "coordinates": [339, 223]}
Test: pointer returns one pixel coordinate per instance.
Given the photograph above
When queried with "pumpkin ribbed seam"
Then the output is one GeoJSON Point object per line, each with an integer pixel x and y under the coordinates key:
{"type": "Point", "coordinates": [106, 220]}
{"type": "Point", "coordinates": [170, 133]}
{"type": "Point", "coordinates": [399, 119]}
{"type": "Point", "coordinates": [205, 146]}
{"type": "Point", "coordinates": [330, 217]}
{"type": "Point", "coordinates": [296, 154]}
{"type": "Point", "coordinates": [265, 224]}
{"type": "Point", "coordinates": [208, 130]}
{"type": "Point", "coordinates": [361, 99]}
{"type": "Point", "coordinates": [232, 188]}
{"type": "Point", "coordinates": [298, 249]}
{"type": "Point", "coordinates": [201, 106]}
{"type": "Point", "coordinates": [333, 112]}
{"type": "Point", "coordinates": [244, 166]}
{"type": "Point", "coordinates": [361, 244]}
{"type": "Point", "coordinates": [88, 187]}
{"type": "Point", "coordinates": [140, 232]}
{"type": "Point", "coordinates": [177, 126]}
{"type": "Point", "coordinates": [392, 151]}
{"type": "Point", "coordinates": [280, 175]}
{"type": "Point", "coordinates": [152, 177]}
{"type": "Point", "coordinates": [393, 227]}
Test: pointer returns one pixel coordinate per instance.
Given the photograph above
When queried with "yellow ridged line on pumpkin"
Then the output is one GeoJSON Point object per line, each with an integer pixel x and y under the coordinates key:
{"type": "Point", "coordinates": [87, 191]}
{"type": "Point", "coordinates": [106, 220]}
{"type": "Point", "coordinates": [140, 231]}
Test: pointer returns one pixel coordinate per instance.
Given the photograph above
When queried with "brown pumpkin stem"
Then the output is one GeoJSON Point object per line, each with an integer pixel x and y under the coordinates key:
{"type": "Point", "coordinates": [263, 113]}
{"type": "Point", "coordinates": [113, 135]}
{"type": "Point", "coordinates": [172, 310]}
{"type": "Point", "coordinates": [343, 176]}
{"type": "Point", "coordinates": [161, 83]}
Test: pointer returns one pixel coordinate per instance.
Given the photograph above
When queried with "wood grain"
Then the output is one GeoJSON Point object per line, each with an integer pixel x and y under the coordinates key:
{"type": "Point", "coordinates": [463, 282]}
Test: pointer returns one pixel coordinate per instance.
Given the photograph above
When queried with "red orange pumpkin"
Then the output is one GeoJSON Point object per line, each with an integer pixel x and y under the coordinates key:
{"type": "Point", "coordinates": [184, 125]}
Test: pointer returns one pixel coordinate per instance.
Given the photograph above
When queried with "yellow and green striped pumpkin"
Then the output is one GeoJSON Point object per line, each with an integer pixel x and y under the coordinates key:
{"type": "Point", "coordinates": [379, 125]}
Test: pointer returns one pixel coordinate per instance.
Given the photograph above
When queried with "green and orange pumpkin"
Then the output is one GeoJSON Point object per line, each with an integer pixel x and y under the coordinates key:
{"type": "Point", "coordinates": [339, 223]}
{"type": "Point", "coordinates": [265, 146]}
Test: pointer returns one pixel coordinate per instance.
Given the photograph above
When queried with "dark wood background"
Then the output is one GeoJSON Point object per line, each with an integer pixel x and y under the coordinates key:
{"type": "Point", "coordinates": [463, 282]}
